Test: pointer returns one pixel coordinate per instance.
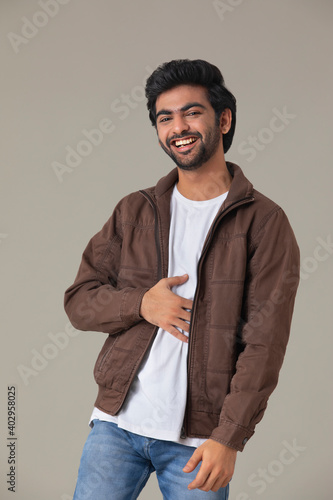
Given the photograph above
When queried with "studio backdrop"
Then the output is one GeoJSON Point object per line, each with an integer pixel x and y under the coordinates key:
{"type": "Point", "coordinates": [75, 138]}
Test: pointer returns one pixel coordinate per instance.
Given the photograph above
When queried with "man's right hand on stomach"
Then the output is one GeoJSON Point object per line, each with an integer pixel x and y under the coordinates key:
{"type": "Point", "coordinates": [163, 308]}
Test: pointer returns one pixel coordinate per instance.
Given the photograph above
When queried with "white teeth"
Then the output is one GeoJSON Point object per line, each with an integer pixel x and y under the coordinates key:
{"type": "Point", "coordinates": [184, 142]}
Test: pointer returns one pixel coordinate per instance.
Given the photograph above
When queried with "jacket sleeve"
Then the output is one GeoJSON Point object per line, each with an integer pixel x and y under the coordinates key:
{"type": "Point", "coordinates": [93, 302]}
{"type": "Point", "coordinates": [264, 331]}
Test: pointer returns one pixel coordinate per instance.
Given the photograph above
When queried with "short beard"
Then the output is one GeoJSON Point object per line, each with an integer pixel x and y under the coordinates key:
{"type": "Point", "coordinates": [206, 150]}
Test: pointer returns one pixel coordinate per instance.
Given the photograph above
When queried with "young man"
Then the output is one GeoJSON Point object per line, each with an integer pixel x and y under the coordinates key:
{"type": "Point", "coordinates": [194, 280]}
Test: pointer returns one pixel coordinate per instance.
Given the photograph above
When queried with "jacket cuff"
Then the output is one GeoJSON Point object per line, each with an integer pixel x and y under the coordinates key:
{"type": "Point", "coordinates": [232, 435]}
{"type": "Point", "coordinates": [130, 306]}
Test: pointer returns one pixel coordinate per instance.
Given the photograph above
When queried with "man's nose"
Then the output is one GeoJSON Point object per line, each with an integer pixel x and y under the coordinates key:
{"type": "Point", "coordinates": [180, 125]}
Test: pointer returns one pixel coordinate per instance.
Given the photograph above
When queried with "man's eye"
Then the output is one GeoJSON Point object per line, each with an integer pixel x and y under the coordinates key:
{"type": "Point", "coordinates": [193, 113]}
{"type": "Point", "coordinates": [164, 119]}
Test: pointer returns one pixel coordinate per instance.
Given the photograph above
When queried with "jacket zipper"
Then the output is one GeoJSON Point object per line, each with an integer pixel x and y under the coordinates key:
{"type": "Point", "coordinates": [237, 203]}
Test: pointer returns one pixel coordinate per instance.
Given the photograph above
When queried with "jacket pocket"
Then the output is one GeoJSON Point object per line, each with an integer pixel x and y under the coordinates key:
{"type": "Point", "coordinates": [105, 353]}
{"type": "Point", "coordinates": [217, 386]}
{"type": "Point", "coordinates": [221, 348]}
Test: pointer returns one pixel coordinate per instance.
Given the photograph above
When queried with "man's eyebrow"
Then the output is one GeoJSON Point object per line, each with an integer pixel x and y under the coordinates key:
{"type": "Point", "coordinates": [184, 108]}
{"type": "Point", "coordinates": [192, 105]}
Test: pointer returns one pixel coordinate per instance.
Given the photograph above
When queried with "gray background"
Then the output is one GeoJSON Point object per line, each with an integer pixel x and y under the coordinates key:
{"type": "Point", "coordinates": [67, 77]}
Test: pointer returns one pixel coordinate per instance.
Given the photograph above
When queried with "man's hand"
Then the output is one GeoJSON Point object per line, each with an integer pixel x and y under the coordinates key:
{"type": "Point", "coordinates": [163, 308]}
{"type": "Point", "coordinates": [217, 468]}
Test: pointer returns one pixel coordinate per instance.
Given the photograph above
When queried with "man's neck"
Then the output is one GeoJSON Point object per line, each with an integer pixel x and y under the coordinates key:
{"type": "Point", "coordinates": [205, 183]}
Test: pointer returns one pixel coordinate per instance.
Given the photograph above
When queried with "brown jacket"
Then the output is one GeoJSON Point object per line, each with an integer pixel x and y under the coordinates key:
{"type": "Point", "coordinates": [248, 274]}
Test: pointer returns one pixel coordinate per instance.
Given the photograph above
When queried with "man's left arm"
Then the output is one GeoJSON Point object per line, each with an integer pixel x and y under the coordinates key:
{"type": "Point", "coordinates": [267, 314]}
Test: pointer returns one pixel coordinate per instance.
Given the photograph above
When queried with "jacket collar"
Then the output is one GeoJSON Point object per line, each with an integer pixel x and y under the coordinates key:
{"type": "Point", "coordinates": [240, 187]}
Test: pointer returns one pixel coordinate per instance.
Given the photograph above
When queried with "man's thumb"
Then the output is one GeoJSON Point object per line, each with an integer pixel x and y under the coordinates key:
{"type": "Point", "coordinates": [177, 280]}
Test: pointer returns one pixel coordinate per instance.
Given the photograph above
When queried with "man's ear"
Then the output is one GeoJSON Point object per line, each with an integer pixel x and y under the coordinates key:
{"type": "Point", "coordinates": [225, 121]}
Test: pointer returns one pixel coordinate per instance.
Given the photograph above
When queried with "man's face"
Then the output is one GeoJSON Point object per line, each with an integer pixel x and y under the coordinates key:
{"type": "Point", "coordinates": [186, 126]}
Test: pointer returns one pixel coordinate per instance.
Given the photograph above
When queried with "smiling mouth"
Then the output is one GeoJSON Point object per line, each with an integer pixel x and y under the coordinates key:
{"type": "Point", "coordinates": [183, 143]}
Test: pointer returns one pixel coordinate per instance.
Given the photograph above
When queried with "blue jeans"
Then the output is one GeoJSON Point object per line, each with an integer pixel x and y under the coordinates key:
{"type": "Point", "coordinates": [116, 464]}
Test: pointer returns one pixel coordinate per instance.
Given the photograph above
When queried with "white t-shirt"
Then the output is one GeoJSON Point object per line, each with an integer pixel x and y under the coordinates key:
{"type": "Point", "coordinates": [155, 404]}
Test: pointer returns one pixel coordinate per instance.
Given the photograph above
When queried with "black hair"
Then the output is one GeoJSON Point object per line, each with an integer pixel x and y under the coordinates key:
{"type": "Point", "coordinates": [196, 72]}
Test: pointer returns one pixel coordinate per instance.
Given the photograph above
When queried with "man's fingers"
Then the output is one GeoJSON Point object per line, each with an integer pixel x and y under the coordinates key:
{"type": "Point", "coordinates": [181, 324]}
{"type": "Point", "coordinates": [173, 321]}
{"type": "Point", "coordinates": [186, 315]}
{"type": "Point", "coordinates": [208, 482]}
{"type": "Point", "coordinates": [207, 479]}
{"type": "Point", "coordinates": [221, 483]}
{"type": "Point", "coordinates": [201, 480]}
{"type": "Point", "coordinates": [186, 304]}
{"type": "Point", "coordinates": [179, 335]}
{"type": "Point", "coordinates": [193, 462]}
